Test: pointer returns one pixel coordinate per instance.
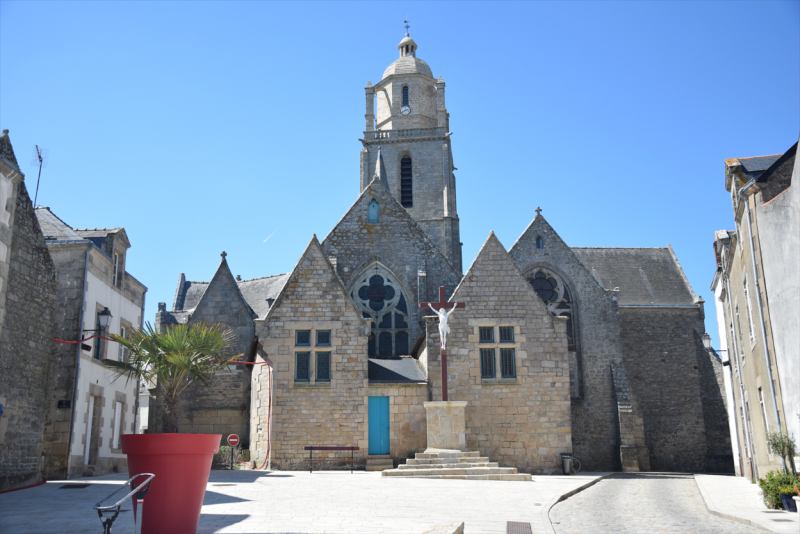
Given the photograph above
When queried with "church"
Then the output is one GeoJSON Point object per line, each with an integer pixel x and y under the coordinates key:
{"type": "Point", "coordinates": [559, 349]}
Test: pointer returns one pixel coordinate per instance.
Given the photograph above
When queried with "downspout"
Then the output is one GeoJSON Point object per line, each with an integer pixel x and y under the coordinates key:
{"type": "Point", "coordinates": [750, 450]}
{"type": "Point", "coordinates": [138, 382]}
{"type": "Point", "coordinates": [761, 310]}
{"type": "Point", "coordinates": [78, 362]}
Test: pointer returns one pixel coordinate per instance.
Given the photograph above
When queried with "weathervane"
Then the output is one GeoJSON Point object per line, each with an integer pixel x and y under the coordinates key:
{"type": "Point", "coordinates": [407, 25]}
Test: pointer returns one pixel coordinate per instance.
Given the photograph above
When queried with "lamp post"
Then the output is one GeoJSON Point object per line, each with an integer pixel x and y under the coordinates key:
{"type": "Point", "coordinates": [103, 321]}
{"type": "Point", "coordinates": [707, 344]}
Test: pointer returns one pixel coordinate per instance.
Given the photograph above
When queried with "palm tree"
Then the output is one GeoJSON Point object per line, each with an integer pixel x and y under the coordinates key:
{"type": "Point", "coordinates": [176, 358]}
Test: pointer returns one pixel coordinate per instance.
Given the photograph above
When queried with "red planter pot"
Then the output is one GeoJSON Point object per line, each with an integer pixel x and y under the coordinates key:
{"type": "Point", "coordinates": [181, 463]}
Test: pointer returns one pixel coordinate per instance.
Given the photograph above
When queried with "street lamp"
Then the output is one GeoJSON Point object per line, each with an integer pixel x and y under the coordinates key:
{"type": "Point", "coordinates": [104, 318]}
{"type": "Point", "coordinates": [707, 344]}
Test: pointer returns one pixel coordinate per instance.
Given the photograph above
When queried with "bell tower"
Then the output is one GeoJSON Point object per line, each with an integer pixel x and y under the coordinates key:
{"type": "Point", "coordinates": [411, 132]}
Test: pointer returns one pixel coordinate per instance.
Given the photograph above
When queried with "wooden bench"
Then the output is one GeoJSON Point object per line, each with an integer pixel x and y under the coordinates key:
{"type": "Point", "coordinates": [311, 459]}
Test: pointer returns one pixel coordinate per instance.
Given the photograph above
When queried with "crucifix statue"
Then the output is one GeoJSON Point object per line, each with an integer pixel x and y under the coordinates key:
{"type": "Point", "coordinates": [439, 308]}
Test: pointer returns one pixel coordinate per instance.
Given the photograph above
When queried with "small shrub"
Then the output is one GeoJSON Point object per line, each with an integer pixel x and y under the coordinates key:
{"type": "Point", "coordinates": [222, 460]}
{"type": "Point", "coordinates": [785, 447]}
{"type": "Point", "coordinates": [772, 486]}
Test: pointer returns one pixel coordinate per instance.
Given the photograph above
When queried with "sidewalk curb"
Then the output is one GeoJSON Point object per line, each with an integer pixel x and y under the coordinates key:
{"type": "Point", "coordinates": [548, 525]}
{"type": "Point", "coordinates": [730, 517]}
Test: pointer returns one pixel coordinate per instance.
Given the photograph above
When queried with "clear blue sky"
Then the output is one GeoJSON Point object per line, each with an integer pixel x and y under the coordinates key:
{"type": "Point", "coordinates": [203, 127]}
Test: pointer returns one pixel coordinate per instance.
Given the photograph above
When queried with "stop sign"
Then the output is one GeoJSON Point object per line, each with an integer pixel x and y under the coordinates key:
{"type": "Point", "coordinates": [233, 440]}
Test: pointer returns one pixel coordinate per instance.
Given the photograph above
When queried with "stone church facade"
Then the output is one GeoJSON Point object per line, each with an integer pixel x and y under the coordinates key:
{"type": "Point", "coordinates": [594, 351]}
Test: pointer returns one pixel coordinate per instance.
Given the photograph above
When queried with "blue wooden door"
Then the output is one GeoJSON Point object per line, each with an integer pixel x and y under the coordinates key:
{"type": "Point", "coordinates": [379, 425]}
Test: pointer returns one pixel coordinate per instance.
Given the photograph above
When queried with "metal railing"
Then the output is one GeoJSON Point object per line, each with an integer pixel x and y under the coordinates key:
{"type": "Point", "coordinates": [110, 512]}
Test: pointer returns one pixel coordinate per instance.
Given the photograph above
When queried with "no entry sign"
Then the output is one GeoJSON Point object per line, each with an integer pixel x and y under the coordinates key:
{"type": "Point", "coordinates": [233, 440]}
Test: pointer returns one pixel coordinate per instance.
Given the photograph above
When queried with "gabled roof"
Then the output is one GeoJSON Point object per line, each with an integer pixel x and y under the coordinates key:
{"type": "Point", "coordinates": [313, 248]}
{"type": "Point", "coordinates": [644, 276]}
{"type": "Point", "coordinates": [789, 154]}
{"type": "Point", "coordinates": [758, 163]}
{"type": "Point", "coordinates": [223, 271]}
{"type": "Point", "coordinates": [54, 228]}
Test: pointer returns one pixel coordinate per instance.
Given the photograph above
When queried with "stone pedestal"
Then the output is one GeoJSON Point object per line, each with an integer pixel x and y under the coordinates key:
{"type": "Point", "coordinates": [446, 425]}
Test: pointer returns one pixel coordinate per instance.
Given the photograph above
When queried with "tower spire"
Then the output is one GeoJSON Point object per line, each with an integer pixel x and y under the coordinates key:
{"type": "Point", "coordinates": [380, 170]}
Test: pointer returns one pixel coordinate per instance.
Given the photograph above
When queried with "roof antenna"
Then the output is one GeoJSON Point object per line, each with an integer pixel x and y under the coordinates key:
{"type": "Point", "coordinates": [40, 159]}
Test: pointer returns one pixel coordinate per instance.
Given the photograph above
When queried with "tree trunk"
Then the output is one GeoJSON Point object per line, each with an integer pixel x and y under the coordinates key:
{"type": "Point", "coordinates": [172, 408]}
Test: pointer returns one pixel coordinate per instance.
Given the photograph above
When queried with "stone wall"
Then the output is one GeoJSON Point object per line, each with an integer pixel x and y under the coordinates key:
{"type": "Point", "coordinates": [407, 422]}
{"type": "Point", "coordinates": [25, 348]}
{"type": "Point", "coordinates": [595, 430]}
{"type": "Point", "coordinates": [670, 374]}
{"type": "Point", "coordinates": [70, 261]}
{"type": "Point", "coordinates": [398, 243]}
{"type": "Point", "coordinates": [332, 413]}
{"type": "Point", "coordinates": [524, 421]}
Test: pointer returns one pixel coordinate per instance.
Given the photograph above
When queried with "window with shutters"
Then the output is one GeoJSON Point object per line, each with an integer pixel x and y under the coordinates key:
{"type": "Point", "coordinates": [323, 365]}
{"type": "Point", "coordinates": [406, 183]}
{"type": "Point", "coordinates": [487, 363]}
{"type": "Point", "coordinates": [302, 366]}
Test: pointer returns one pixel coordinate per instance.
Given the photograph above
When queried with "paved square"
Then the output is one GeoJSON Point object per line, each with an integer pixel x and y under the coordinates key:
{"type": "Point", "coordinates": [299, 502]}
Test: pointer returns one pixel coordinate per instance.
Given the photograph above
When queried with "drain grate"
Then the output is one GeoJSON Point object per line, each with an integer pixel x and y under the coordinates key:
{"type": "Point", "coordinates": [74, 486]}
{"type": "Point", "coordinates": [516, 527]}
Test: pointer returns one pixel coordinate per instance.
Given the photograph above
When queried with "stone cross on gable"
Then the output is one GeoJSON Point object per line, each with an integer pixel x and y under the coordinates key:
{"type": "Point", "coordinates": [223, 254]}
{"type": "Point", "coordinates": [538, 210]}
{"type": "Point", "coordinates": [439, 308]}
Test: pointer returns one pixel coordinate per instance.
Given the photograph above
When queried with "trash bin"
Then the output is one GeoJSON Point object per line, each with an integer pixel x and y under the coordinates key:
{"type": "Point", "coordinates": [566, 462]}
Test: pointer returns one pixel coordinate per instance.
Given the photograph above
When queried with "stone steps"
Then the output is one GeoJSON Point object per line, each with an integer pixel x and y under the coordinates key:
{"type": "Point", "coordinates": [452, 464]}
{"type": "Point", "coordinates": [379, 462]}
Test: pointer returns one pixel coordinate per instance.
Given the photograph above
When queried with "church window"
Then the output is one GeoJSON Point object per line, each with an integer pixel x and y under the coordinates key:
{"type": "Point", "coordinates": [487, 363]}
{"type": "Point", "coordinates": [486, 334]}
{"type": "Point", "coordinates": [302, 366]}
{"type": "Point", "coordinates": [508, 368]}
{"type": "Point", "coordinates": [323, 338]}
{"type": "Point", "coordinates": [406, 183]}
{"type": "Point", "coordinates": [379, 297]}
{"type": "Point", "coordinates": [373, 212]}
{"type": "Point", "coordinates": [506, 334]}
{"type": "Point", "coordinates": [539, 242]}
{"type": "Point", "coordinates": [552, 290]}
{"type": "Point", "coordinates": [323, 367]}
{"type": "Point", "coordinates": [302, 338]}
{"type": "Point", "coordinates": [405, 95]}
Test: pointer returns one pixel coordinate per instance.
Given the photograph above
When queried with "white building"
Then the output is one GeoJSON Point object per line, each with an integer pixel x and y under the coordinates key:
{"type": "Point", "coordinates": [86, 417]}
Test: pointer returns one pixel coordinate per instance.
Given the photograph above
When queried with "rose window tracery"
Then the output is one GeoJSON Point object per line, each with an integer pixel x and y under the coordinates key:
{"type": "Point", "coordinates": [379, 297]}
{"type": "Point", "coordinates": [554, 293]}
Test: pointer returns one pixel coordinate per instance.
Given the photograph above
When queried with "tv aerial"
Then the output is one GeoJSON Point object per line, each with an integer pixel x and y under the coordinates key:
{"type": "Point", "coordinates": [40, 157]}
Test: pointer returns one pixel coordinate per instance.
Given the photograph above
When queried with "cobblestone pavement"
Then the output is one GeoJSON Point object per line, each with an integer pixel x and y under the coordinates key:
{"type": "Point", "coordinates": [641, 504]}
{"type": "Point", "coordinates": [299, 502]}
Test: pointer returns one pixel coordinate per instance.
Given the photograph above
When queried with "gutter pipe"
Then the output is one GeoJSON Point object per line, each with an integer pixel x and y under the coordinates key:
{"type": "Point", "coordinates": [77, 363]}
{"type": "Point", "coordinates": [138, 382]}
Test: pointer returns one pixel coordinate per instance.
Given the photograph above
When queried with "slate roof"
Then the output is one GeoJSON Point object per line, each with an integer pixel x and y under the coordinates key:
{"type": "Point", "coordinates": [395, 370]}
{"type": "Point", "coordinates": [258, 290]}
{"type": "Point", "coordinates": [255, 292]}
{"type": "Point", "coordinates": [780, 159]}
{"type": "Point", "coordinates": [644, 275]}
{"type": "Point", "coordinates": [89, 233]}
{"type": "Point", "coordinates": [758, 163]}
{"type": "Point", "coordinates": [54, 228]}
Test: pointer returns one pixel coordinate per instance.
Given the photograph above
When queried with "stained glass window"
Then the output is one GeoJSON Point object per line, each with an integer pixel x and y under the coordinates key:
{"type": "Point", "coordinates": [552, 290]}
{"type": "Point", "coordinates": [323, 338]}
{"type": "Point", "coordinates": [506, 334]}
{"type": "Point", "coordinates": [323, 373]}
{"type": "Point", "coordinates": [302, 367]}
{"type": "Point", "coordinates": [487, 363]}
{"type": "Point", "coordinates": [508, 368]}
{"type": "Point", "coordinates": [379, 296]}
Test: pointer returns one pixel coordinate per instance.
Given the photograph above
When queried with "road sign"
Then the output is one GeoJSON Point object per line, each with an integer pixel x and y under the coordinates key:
{"type": "Point", "coordinates": [233, 440]}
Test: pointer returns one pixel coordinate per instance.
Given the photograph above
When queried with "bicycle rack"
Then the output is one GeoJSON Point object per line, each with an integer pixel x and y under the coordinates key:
{"type": "Point", "coordinates": [104, 512]}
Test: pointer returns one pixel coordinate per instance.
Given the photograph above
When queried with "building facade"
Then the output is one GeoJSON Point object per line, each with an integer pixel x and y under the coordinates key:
{"type": "Point", "coordinates": [27, 308]}
{"type": "Point", "coordinates": [596, 351]}
{"type": "Point", "coordinates": [757, 288]}
{"type": "Point", "coordinates": [88, 408]}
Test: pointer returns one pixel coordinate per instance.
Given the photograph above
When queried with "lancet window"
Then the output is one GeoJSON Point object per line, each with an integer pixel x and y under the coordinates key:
{"type": "Point", "coordinates": [406, 183]}
{"type": "Point", "coordinates": [379, 296]}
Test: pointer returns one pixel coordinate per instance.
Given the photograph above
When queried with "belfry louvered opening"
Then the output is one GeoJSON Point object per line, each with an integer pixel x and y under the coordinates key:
{"type": "Point", "coordinates": [406, 187]}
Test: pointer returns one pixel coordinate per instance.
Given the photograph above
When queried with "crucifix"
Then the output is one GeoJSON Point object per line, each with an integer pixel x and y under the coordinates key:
{"type": "Point", "coordinates": [439, 308]}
